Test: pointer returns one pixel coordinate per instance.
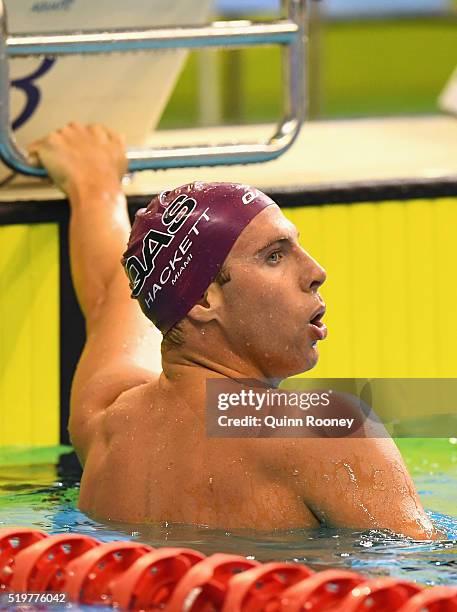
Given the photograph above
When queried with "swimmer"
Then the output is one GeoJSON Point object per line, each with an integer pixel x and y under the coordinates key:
{"type": "Point", "coordinates": [220, 272]}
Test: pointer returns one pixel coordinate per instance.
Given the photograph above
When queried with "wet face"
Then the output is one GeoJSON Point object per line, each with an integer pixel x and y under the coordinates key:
{"type": "Point", "coordinates": [271, 310]}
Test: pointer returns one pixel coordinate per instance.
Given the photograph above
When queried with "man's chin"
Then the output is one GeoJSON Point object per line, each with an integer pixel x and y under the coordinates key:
{"type": "Point", "coordinates": [310, 360]}
{"type": "Point", "coordinates": [299, 366]}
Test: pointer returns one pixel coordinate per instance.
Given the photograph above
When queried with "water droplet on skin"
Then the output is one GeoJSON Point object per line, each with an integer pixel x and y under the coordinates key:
{"type": "Point", "coordinates": [378, 482]}
{"type": "Point", "coordinates": [295, 472]}
{"type": "Point", "coordinates": [350, 472]}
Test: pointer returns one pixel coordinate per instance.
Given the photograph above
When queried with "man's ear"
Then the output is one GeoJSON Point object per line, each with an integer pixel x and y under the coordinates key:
{"type": "Point", "coordinates": [208, 308]}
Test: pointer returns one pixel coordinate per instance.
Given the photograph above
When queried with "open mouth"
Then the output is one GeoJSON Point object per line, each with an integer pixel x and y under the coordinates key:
{"type": "Point", "coordinates": [318, 327]}
{"type": "Point", "coordinates": [317, 320]}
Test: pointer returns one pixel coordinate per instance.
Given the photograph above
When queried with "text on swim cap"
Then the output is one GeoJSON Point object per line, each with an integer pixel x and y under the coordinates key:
{"type": "Point", "coordinates": [171, 270]}
{"type": "Point", "coordinates": [154, 241]}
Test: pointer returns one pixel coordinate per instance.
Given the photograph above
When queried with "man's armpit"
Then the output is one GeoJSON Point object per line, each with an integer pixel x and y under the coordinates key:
{"type": "Point", "coordinates": [91, 404]}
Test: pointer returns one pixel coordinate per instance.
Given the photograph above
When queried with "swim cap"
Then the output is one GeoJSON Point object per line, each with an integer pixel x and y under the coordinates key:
{"type": "Point", "coordinates": [180, 241]}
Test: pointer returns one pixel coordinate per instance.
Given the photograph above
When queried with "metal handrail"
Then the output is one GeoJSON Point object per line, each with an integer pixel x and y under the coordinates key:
{"type": "Point", "coordinates": [213, 35]}
{"type": "Point", "coordinates": [290, 33]}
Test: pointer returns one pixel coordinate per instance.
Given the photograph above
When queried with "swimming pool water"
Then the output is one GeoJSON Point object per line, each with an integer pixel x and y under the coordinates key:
{"type": "Point", "coordinates": [39, 488]}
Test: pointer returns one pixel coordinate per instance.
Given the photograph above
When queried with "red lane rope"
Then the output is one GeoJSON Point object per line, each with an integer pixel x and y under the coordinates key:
{"type": "Point", "coordinates": [90, 577]}
{"type": "Point", "coordinates": [12, 541]}
{"type": "Point", "coordinates": [133, 576]}
{"type": "Point", "coordinates": [322, 591]}
{"type": "Point", "coordinates": [204, 586]}
{"type": "Point", "coordinates": [258, 589]}
{"type": "Point", "coordinates": [41, 567]}
{"type": "Point", "coordinates": [152, 579]}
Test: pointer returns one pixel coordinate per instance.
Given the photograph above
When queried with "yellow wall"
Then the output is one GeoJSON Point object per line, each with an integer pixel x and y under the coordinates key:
{"type": "Point", "coordinates": [391, 291]}
{"type": "Point", "coordinates": [391, 294]}
{"type": "Point", "coordinates": [29, 334]}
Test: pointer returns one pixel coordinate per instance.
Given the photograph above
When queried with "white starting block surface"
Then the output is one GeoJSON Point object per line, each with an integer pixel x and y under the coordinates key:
{"type": "Point", "coordinates": [326, 154]}
{"type": "Point", "coordinates": [127, 91]}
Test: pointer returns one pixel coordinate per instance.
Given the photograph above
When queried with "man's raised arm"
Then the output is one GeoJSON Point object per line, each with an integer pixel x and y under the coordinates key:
{"type": "Point", "coordinates": [122, 348]}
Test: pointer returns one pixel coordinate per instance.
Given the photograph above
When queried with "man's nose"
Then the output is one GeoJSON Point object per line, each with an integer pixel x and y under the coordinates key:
{"type": "Point", "coordinates": [313, 274]}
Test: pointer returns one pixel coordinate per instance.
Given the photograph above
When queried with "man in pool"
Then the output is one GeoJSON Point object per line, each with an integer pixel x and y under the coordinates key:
{"type": "Point", "coordinates": [245, 305]}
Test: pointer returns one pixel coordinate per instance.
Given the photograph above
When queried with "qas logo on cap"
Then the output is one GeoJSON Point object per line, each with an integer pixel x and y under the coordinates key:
{"type": "Point", "coordinates": [174, 217]}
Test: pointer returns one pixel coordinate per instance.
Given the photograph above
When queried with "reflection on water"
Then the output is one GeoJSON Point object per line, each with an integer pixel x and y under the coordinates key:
{"type": "Point", "coordinates": [44, 495]}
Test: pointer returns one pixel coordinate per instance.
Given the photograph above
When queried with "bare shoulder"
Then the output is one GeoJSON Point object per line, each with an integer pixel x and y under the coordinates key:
{"type": "Point", "coordinates": [364, 483]}
{"type": "Point", "coordinates": [353, 482]}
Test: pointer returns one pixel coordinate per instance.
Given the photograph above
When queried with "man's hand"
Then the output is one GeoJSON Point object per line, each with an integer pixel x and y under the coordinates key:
{"type": "Point", "coordinates": [81, 158]}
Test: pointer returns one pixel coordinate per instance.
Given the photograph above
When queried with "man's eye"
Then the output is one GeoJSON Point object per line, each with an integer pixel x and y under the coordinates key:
{"type": "Point", "coordinates": [275, 257]}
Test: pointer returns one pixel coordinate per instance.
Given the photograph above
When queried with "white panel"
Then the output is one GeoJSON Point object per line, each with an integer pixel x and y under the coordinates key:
{"type": "Point", "coordinates": [125, 91]}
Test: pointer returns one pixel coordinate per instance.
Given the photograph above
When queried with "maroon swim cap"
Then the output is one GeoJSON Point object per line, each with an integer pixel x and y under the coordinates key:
{"type": "Point", "coordinates": [180, 241]}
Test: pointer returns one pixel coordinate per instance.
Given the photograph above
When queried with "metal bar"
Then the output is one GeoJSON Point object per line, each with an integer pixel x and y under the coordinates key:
{"type": "Point", "coordinates": [289, 33]}
{"type": "Point", "coordinates": [111, 41]}
{"type": "Point", "coordinates": [208, 155]}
